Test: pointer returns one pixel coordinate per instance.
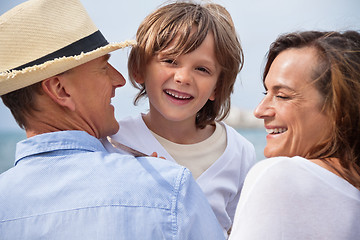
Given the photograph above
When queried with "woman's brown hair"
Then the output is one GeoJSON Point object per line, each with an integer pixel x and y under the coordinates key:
{"type": "Point", "coordinates": [337, 78]}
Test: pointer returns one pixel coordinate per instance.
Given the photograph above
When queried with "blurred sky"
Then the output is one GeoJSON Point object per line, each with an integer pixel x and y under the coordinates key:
{"type": "Point", "coordinates": [258, 23]}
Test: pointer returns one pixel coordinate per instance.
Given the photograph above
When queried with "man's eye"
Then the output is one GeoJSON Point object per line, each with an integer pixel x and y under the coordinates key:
{"type": "Point", "coordinates": [106, 66]}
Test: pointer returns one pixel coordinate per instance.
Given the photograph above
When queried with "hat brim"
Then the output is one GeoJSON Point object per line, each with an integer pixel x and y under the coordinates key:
{"type": "Point", "coordinates": [17, 79]}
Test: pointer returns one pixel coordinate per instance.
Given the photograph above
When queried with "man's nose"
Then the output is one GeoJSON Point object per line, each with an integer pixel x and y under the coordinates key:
{"type": "Point", "coordinates": [117, 78]}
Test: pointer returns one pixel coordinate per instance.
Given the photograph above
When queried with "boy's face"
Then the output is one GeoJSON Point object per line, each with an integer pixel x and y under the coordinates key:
{"type": "Point", "coordinates": [178, 88]}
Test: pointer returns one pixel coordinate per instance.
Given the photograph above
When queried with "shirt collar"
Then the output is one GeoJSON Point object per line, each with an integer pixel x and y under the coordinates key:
{"type": "Point", "coordinates": [61, 140]}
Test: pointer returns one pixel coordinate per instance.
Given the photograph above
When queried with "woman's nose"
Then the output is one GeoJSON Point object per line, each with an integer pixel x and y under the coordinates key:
{"type": "Point", "coordinates": [264, 109]}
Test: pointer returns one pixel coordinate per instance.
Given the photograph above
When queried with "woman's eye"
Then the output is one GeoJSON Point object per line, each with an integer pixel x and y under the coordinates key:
{"type": "Point", "coordinates": [282, 97]}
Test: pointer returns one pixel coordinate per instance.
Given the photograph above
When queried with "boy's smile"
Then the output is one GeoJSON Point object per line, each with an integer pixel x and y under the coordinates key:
{"type": "Point", "coordinates": [178, 97]}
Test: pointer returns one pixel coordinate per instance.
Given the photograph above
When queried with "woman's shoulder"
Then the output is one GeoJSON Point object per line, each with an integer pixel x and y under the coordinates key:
{"type": "Point", "coordinates": [279, 170]}
{"type": "Point", "coordinates": [274, 163]}
{"type": "Point", "coordinates": [288, 173]}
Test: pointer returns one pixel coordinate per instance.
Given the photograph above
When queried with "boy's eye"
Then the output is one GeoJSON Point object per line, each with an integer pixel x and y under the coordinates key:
{"type": "Point", "coordinates": [169, 61]}
{"type": "Point", "coordinates": [202, 69]}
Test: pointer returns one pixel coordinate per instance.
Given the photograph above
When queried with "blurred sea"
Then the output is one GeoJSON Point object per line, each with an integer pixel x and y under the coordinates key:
{"type": "Point", "coordinates": [8, 140]}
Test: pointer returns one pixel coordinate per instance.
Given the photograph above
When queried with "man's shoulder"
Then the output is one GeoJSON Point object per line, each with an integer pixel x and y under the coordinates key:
{"type": "Point", "coordinates": [149, 171]}
{"type": "Point", "coordinates": [145, 181]}
{"type": "Point", "coordinates": [143, 163]}
{"type": "Point", "coordinates": [111, 179]}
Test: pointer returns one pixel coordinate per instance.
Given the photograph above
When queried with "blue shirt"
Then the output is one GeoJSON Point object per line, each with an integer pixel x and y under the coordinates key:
{"type": "Point", "coordinates": [66, 186]}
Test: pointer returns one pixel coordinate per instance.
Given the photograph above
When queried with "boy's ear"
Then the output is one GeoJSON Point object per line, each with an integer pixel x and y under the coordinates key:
{"type": "Point", "coordinates": [56, 90]}
{"type": "Point", "coordinates": [138, 78]}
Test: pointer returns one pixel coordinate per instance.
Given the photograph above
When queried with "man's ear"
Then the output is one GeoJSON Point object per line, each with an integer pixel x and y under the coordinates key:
{"type": "Point", "coordinates": [56, 90]}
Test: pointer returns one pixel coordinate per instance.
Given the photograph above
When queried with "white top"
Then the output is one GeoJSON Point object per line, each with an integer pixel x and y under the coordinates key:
{"type": "Point", "coordinates": [200, 156]}
{"type": "Point", "coordinates": [293, 198]}
{"type": "Point", "coordinates": [221, 182]}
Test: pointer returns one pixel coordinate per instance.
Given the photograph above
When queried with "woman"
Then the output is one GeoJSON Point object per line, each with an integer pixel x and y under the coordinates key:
{"type": "Point", "coordinates": [309, 186]}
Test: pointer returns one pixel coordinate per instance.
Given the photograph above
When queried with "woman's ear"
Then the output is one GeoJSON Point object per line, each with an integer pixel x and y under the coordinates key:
{"type": "Point", "coordinates": [212, 96]}
{"type": "Point", "coordinates": [56, 90]}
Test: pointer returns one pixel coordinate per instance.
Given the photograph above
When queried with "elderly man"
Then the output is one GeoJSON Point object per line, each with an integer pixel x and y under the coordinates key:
{"type": "Point", "coordinates": [56, 80]}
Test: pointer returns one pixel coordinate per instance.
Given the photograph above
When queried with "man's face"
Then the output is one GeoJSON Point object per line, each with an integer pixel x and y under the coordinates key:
{"type": "Point", "coordinates": [91, 86]}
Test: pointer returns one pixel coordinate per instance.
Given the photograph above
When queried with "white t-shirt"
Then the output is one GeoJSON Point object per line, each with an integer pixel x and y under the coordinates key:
{"type": "Point", "coordinates": [221, 182]}
{"type": "Point", "coordinates": [197, 157]}
{"type": "Point", "coordinates": [294, 198]}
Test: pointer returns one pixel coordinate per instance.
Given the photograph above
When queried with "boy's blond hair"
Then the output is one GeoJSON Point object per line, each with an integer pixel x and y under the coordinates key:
{"type": "Point", "coordinates": [173, 24]}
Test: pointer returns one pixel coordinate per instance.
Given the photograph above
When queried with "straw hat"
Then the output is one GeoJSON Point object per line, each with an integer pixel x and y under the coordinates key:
{"type": "Point", "coordinates": [42, 38]}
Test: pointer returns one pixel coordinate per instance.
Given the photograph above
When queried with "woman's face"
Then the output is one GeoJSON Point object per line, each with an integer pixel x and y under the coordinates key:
{"type": "Point", "coordinates": [291, 108]}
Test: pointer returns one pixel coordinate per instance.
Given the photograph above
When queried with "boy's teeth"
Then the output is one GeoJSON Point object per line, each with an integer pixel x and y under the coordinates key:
{"type": "Point", "coordinates": [276, 130]}
{"type": "Point", "coordinates": [177, 96]}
